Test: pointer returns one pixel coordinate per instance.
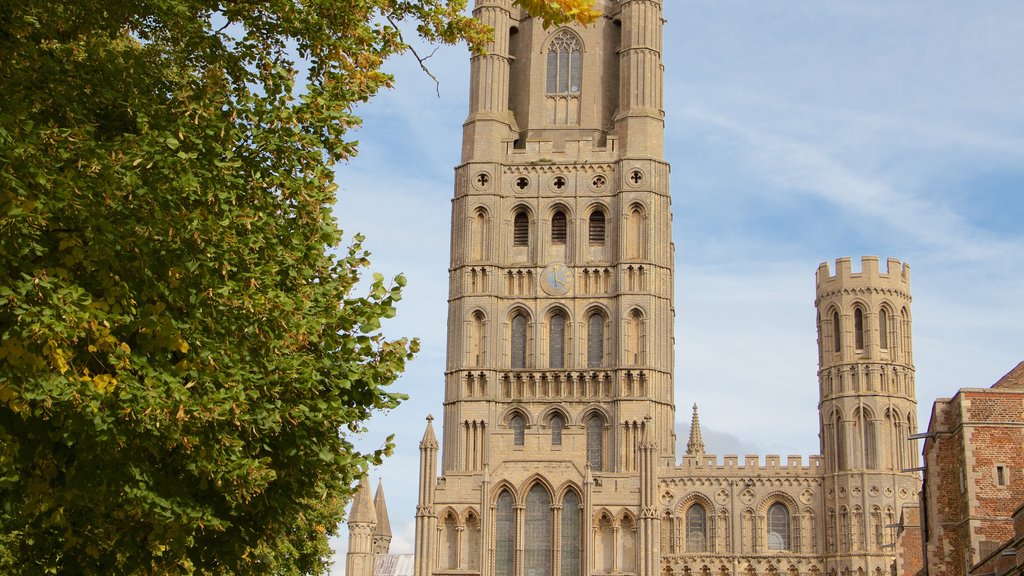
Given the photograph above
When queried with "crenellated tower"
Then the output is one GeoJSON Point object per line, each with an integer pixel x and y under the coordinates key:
{"type": "Point", "coordinates": [867, 408]}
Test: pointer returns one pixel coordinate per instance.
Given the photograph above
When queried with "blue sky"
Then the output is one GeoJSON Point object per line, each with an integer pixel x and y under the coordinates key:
{"type": "Point", "coordinates": [798, 131]}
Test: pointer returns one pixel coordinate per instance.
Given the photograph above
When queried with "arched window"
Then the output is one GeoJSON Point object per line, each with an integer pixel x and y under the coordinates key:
{"type": "Point", "coordinates": [595, 227]}
{"type": "Point", "coordinates": [595, 442]}
{"type": "Point", "coordinates": [870, 442]}
{"type": "Point", "coordinates": [518, 341]}
{"type": "Point", "coordinates": [476, 340]}
{"type": "Point", "coordinates": [837, 339]}
{"type": "Point", "coordinates": [696, 529]}
{"type": "Point", "coordinates": [449, 543]}
{"type": "Point", "coordinates": [538, 532]}
{"type": "Point", "coordinates": [572, 541]}
{"type": "Point", "coordinates": [559, 224]}
{"type": "Point", "coordinates": [635, 233]}
{"type": "Point", "coordinates": [883, 329]}
{"type": "Point", "coordinates": [635, 338]}
{"type": "Point", "coordinates": [505, 536]}
{"type": "Point", "coordinates": [557, 424]}
{"type": "Point", "coordinates": [565, 64]}
{"type": "Point", "coordinates": [840, 447]}
{"type": "Point", "coordinates": [858, 328]}
{"type": "Point", "coordinates": [518, 426]}
{"type": "Point", "coordinates": [556, 341]}
{"type": "Point", "coordinates": [595, 340]}
{"type": "Point", "coordinates": [479, 235]}
{"type": "Point", "coordinates": [778, 527]}
{"type": "Point", "coordinates": [521, 229]}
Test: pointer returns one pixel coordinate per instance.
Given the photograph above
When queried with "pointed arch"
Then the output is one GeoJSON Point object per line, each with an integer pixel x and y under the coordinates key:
{"type": "Point", "coordinates": [449, 547]}
{"type": "Point", "coordinates": [505, 534]}
{"type": "Point", "coordinates": [564, 63]}
{"type": "Point", "coordinates": [473, 537]}
{"type": "Point", "coordinates": [571, 553]}
{"type": "Point", "coordinates": [537, 531]}
{"type": "Point", "coordinates": [627, 541]}
{"type": "Point", "coordinates": [837, 333]}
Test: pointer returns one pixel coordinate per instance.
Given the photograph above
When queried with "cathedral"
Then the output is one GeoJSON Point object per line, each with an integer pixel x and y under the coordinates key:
{"type": "Point", "coordinates": [557, 454]}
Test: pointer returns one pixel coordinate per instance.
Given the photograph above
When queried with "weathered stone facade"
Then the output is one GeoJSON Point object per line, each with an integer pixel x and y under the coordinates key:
{"type": "Point", "coordinates": [558, 452]}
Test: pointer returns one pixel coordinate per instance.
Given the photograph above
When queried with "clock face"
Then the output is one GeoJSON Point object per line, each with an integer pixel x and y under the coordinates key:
{"type": "Point", "coordinates": [556, 280]}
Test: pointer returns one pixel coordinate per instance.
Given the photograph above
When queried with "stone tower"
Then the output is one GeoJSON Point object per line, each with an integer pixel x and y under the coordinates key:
{"type": "Point", "coordinates": [558, 388]}
{"type": "Point", "coordinates": [867, 410]}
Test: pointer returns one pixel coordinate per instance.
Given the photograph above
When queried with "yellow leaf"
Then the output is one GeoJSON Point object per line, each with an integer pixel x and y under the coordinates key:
{"type": "Point", "coordinates": [125, 348]}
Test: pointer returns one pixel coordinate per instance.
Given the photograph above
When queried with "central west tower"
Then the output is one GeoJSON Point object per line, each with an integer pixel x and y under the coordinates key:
{"type": "Point", "coordinates": [558, 389]}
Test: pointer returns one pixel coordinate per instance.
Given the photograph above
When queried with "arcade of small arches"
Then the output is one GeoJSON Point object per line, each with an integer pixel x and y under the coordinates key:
{"type": "Point", "coordinates": [890, 329]}
{"type": "Point", "coordinates": [593, 422]}
{"type": "Point", "coordinates": [854, 442]}
{"type": "Point", "coordinates": [562, 344]}
{"type": "Point", "coordinates": [695, 526]}
{"type": "Point", "coordinates": [562, 231]}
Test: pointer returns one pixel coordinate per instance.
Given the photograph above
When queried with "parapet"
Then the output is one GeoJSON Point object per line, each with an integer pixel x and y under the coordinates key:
{"type": "Point", "coordinates": [896, 275]}
{"type": "Point", "coordinates": [751, 465]}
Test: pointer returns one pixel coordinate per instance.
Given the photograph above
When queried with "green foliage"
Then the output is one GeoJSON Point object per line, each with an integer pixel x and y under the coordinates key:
{"type": "Point", "coordinates": [183, 357]}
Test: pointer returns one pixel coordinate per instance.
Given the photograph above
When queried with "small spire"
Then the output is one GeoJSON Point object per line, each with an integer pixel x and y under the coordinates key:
{"type": "Point", "coordinates": [695, 447]}
{"type": "Point", "coordinates": [588, 476]}
{"type": "Point", "coordinates": [429, 440]}
{"type": "Point", "coordinates": [381, 508]}
{"type": "Point", "coordinates": [362, 505]}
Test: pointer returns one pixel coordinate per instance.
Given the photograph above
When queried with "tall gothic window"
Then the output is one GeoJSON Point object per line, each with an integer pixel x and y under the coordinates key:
{"type": "Point", "coordinates": [696, 529]}
{"type": "Point", "coordinates": [518, 426]}
{"type": "Point", "coordinates": [538, 532]}
{"type": "Point", "coordinates": [858, 328]}
{"type": "Point", "coordinates": [836, 332]}
{"type": "Point", "coordinates": [505, 536]}
{"type": "Point", "coordinates": [556, 341]}
{"type": "Point", "coordinates": [571, 564]}
{"type": "Point", "coordinates": [778, 527]}
{"type": "Point", "coordinates": [565, 64]}
{"type": "Point", "coordinates": [518, 341]}
{"type": "Point", "coordinates": [883, 329]}
{"type": "Point", "coordinates": [559, 224]}
{"type": "Point", "coordinates": [595, 442]}
{"type": "Point", "coordinates": [557, 424]}
{"type": "Point", "coordinates": [595, 340]}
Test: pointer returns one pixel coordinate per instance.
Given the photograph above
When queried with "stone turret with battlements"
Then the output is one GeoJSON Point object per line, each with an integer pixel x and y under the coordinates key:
{"type": "Point", "coordinates": [867, 407]}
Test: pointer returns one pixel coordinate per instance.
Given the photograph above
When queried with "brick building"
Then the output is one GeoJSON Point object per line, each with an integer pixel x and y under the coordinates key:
{"type": "Point", "coordinates": [973, 484]}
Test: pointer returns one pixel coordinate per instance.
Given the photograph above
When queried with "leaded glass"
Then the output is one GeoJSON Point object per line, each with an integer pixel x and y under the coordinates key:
{"type": "Point", "coordinates": [538, 533]}
{"type": "Point", "coordinates": [565, 64]}
{"type": "Point", "coordinates": [556, 342]}
{"type": "Point", "coordinates": [571, 542]}
{"type": "Point", "coordinates": [505, 536]}
{"type": "Point", "coordinates": [696, 529]}
{"type": "Point", "coordinates": [518, 426]}
{"type": "Point", "coordinates": [778, 527]}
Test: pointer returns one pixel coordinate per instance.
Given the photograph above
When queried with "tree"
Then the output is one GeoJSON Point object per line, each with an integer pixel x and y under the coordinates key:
{"type": "Point", "coordinates": [183, 359]}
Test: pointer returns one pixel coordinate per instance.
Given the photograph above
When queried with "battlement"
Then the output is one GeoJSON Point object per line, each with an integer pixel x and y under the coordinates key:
{"type": "Point", "coordinates": [896, 275]}
{"type": "Point", "coordinates": [751, 465]}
